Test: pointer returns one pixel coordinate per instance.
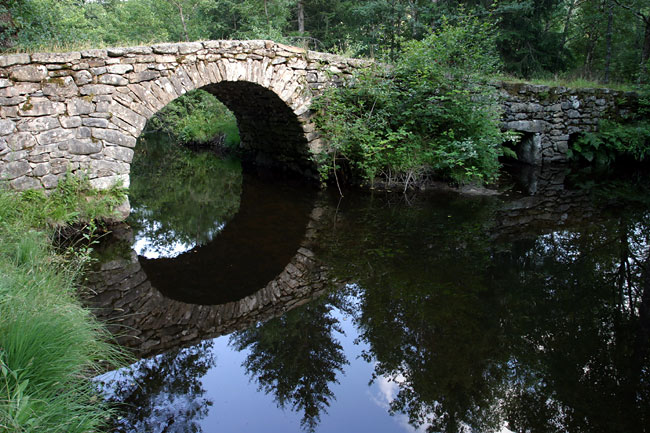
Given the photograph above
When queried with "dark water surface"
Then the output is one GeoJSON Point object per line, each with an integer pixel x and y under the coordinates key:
{"type": "Point", "coordinates": [266, 305]}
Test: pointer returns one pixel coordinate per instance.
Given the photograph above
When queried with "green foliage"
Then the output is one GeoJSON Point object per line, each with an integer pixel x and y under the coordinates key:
{"type": "Point", "coordinates": [431, 114]}
{"type": "Point", "coordinates": [166, 175]}
{"type": "Point", "coordinates": [49, 345]}
{"type": "Point", "coordinates": [197, 117]}
{"type": "Point", "coordinates": [74, 201]}
{"type": "Point", "coordinates": [629, 138]}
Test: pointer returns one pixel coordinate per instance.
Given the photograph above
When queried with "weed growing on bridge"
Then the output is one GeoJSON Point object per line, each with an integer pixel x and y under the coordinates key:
{"type": "Point", "coordinates": [49, 344]}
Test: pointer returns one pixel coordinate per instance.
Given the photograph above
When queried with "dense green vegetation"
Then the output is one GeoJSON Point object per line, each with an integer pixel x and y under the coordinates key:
{"type": "Point", "coordinates": [49, 344]}
{"type": "Point", "coordinates": [430, 114]}
{"type": "Point", "coordinates": [607, 40]}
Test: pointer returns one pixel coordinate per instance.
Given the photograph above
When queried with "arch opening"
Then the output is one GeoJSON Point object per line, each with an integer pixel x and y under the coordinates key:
{"type": "Point", "coordinates": [271, 134]}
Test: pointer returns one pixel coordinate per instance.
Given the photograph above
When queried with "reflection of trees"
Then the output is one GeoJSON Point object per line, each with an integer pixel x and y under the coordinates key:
{"type": "Point", "coordinates": [164, 393]}
{"type": "Point", "coordinates": [549, 333]}
{"type": "Point", "coordinates": [584, 318]}
{"type": "Point", "coordinates": [295, 357]}
{"type": "Point", "coordinates": [179, 196]}
{"type": "Point", "coordinates": [426, 309]}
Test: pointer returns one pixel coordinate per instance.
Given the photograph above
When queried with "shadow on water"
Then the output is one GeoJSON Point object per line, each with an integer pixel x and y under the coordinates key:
{"type": "Point", "coordinates": [524, 312]}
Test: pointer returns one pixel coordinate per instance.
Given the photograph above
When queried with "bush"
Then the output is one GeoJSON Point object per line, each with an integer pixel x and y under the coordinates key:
{"type": "Point", "coordinates": [432, 113]}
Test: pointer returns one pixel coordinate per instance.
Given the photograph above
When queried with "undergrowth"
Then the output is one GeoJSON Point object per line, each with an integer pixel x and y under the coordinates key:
{"type": "Point", "coordinates": [49, 344]}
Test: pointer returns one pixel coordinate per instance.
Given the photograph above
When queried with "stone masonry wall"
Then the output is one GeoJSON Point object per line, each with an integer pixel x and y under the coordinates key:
{"type": "Point", "coordinates": [549, 116]}
{"type": "Point", "coordinates": [84, 110]}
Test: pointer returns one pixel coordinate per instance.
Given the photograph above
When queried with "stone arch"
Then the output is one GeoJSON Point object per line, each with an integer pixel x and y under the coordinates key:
{"type": "Point", "coordinates": [270, 102]}
{"type": "Point", "coordinates": [84, 110]}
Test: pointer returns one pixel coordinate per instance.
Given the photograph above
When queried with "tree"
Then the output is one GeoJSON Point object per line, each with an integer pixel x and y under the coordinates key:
{"type": "Point", "coordinates": [641, 11]}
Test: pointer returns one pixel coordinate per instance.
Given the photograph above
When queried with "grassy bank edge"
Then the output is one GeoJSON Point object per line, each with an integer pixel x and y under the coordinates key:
{"type": "Point", "coordinates": [50, 346]}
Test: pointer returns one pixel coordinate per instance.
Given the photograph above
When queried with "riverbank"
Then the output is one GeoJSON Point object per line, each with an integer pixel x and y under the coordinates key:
{"type": "Point", "coordinates": [49, 344]}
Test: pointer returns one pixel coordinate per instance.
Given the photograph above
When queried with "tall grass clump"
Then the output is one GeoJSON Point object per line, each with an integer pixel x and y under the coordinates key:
{"type": "Point", "coordinates": [50, 346]}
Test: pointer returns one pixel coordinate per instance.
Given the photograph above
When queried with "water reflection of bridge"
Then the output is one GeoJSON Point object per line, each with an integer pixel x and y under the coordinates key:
{"type": "Point", "coordinates": [148, 323]}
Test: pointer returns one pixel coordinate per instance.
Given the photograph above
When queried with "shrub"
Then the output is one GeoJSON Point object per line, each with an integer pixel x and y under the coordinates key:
{"type": "Point", "coordinates": [432, 113]}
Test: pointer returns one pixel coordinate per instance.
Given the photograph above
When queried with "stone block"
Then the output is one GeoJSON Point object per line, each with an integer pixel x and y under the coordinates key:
{"type": "Point", "coordinates": [109, 181]}
{"type": "Point", "coordinates": [95, 122]}
{"type": "Point", "coordinates": [5, 83]}
{"type": "Point", "coordinates": [21, 140]}
{"type": "Point", "coordinates": [50, 181]}
{"type": "Point", "coordinates": [526, 125]}
{"type": "Point", "coordinates": [82, 78]}
{"type": "Point", "coordinates": [115, 51]}
{"type": "Point", "coordinates": [25, 183]}
{"type": "Point", "coordinates": [70, 121]}
{"type": "Point", "coordinates": [94, 54]}
{"type": "Point", "coordinates": [39, 124]}
{"type": "Point", "coordinates": [30, 73]}
{"type": "Point", "coordinates": [119, 69]}
{"type": "Point", "coordinates": [63, 87]}
{"type": "Point", "coordinates": [165, 48]}
{"type": "Point", "coordinates": [77, 106]}
{"type": "Point", "coordinates": [189, 47]}
{"type": "Point", "coordinates": [56, 57]}
{"type": "Point", "coordinates": [119, 153]}
{"type": "Point", "coordinates": [58, 166]}
{"type": "Point", "coordinates": [113, 137]}
{"type": "Point", "coordinates": [35, 107]}
{"type": "Point", "coordinates": [113, 79]}
{"type": "Point", "coordinates": [7, 126]}
{"type": "Point", "coordinates": [146, 75]}
{"type": "Point", "coordinates": [14, 59]}
{"type": "Point", "coordinates": [40, 170]}
{"type": "Point", "coordinates": [96, 89]}
{"type": "Point", "coordinates": [16, 169]}
{"type": "Point", "coordinates": [83, 147]}
{"type": "Point", "coordinates": [54, 136]}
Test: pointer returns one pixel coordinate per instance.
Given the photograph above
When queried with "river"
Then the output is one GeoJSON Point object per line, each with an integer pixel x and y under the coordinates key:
{"type": "Point", "coordinates": [257, 302]}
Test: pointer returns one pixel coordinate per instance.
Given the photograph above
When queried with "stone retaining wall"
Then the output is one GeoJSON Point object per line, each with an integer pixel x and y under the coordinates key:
{"type": "Point", "coordinates": [548, 117]}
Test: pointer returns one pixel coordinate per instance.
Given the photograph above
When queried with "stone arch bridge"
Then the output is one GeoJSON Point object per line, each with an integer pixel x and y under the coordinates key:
{"type": "Point", "coordinates": [84, 110]}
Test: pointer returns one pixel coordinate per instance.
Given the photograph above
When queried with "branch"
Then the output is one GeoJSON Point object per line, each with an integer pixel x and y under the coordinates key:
{"type": "Point", "coordinates": [631, 9]}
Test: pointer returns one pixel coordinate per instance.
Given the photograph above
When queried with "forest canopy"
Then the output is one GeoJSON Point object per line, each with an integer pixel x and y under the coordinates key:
{"type": "Point", "coordinates": [604, 40]}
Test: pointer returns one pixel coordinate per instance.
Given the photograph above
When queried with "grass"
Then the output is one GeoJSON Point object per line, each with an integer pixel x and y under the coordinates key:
{"type": "Point", "coordinates": [49, 344]}
{"type": "Point", "coordinates": [574, 83]}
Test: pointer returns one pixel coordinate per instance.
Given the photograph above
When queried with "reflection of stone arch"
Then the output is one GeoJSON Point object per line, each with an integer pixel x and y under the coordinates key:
{"type": "Point", "coordinates": [148, 323]}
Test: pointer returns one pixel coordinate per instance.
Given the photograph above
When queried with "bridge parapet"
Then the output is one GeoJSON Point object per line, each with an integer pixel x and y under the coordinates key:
{"type": "Point", "coordinates": [84, 110]}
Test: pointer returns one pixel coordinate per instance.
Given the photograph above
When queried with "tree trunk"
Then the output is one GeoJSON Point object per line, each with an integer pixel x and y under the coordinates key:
{"type": "Point", "coordinates": [645, 56]}
{"type": "Point", "coordinates": [266, 14]}
{"type": "Point", "coordinates": [567, 21]}
{"type": "Point", "coordinates": [180, 10]}
{"type": "Point", "coordinates": [301, 17]}
{"type": "Point", "coordinates": [179, 5]}
{"type": "Point", "coordinates": [608, 55]}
